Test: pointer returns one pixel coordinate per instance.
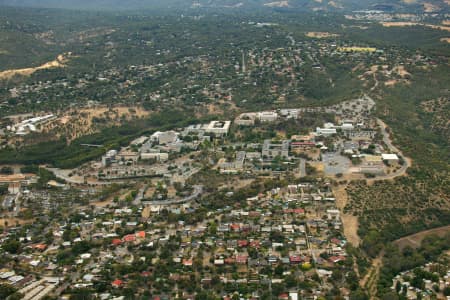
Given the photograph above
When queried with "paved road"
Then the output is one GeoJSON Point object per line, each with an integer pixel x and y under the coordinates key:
{"type": "Point", "coordinates": [302, 167]}
{"type": "Point", "coordinates": [198, 190]}
{"type": "Point", "coordinates": [140, 195]}
{"type": "Point", "coordinates": [387, 140]}
{"type": "Point", "coordinates": [64, 174]}
{"type": "Point", "coordinates": [335, 163]}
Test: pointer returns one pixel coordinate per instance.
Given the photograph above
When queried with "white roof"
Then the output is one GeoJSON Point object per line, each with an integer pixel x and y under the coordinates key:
{"type": "Point", "coordinates": [5, 275]}
{"type": "Point", "coordinates": [293, 295]}
{"type": "Point", "coordinates": [88, 277]}
{"type": "Point", "coordinates": [16, 278]}
{"type": "Point", "coordinates": [389, 156]}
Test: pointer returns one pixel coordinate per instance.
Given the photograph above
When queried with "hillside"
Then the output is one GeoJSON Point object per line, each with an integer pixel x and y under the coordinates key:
{"type": "Point", "coordinates": [308, 5]}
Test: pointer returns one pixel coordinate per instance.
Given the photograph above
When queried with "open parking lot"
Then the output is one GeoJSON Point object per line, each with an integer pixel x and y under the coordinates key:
{"type": "Point", "coordinates": [335, 163]}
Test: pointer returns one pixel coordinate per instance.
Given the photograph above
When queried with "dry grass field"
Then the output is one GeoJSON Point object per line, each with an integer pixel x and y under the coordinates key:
{"type": "Point", "coordinates": [59, 62]}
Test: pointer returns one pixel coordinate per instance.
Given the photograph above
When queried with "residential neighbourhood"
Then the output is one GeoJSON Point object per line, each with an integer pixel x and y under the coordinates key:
{"type": "Point", "coordinates": [295, 228]}
{"type": "Point", "coordinates": [224, 150]}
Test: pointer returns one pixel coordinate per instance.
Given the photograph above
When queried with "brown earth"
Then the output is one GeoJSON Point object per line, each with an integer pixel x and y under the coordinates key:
{"type": "Point", "coordinates": [59, 62]}
{"type": "Point", "coordinates": [349, 222]}
{"type": "Point", "coordinates": [397, 74]}
{"type": "Point", "coordinates": [320, 35]}
{"type": "Point", "coordinates": [13, 221]}
{"type": "Point", "coordinates": [146, 212]}
{"type": "Point", "coordinates": [277, 4]}
{"type": "Point", "coordinates": [78, 122]}
{"type": "Point", "coordinates": [369, 282]}
{"type": "Point", "coordinates": [429, 8]}
{"type": "Point", "coordinates": [416, 239]}
{"type": "Point", "coordinates": [403, 24]}
{"type": "Point", "coordinates": [334, 4]}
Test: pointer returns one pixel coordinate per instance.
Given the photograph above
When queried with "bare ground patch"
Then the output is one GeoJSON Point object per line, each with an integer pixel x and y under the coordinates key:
{"type": "Point", "coordinates": [404, 24]}
{"type": "Point", "coordinates": [277, 4]}
{"type": "Point", "coordinates": [416, 239]}
{"type": "Point", "coordinates": [371, 279]}
{"type": "Point", "coordinates": [350, 222]}
{"type": "Point", "coordinates": [10, 222]}
{"type": "Point", "coordinates": [429, 7]}
{"type": "Point", "coordinates": [78, 122]}
{"type": "Point", "coordinates": [59, 62]}
{"type": "Point", "coordinates": [320, 35]}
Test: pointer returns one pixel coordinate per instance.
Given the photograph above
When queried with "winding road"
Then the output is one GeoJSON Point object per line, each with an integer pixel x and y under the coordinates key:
{"type": "Point", "coordinates": [387, 140]}
{"type": "Point", "coordinates": [198, 190]}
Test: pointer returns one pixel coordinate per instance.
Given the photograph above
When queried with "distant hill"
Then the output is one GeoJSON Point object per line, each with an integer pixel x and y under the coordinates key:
{"type": "Point", "coordinates": [306, 5]}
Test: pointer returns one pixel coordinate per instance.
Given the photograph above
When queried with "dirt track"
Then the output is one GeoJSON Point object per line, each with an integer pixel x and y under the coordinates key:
{"type": "Point", "coordinates": [350, 222]}
{"type": "Point", "coordinates": [403, 24]}
{"type": "Point", "coordinates": [57, 63]}
{"type": "Point", "coordinates": [416, 239]}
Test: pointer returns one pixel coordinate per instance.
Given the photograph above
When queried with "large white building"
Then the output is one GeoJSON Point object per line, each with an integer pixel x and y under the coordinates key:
{"type": "Point", "coordinates": [109, 157]}
{"type": "Point", "coordinates": [246, 119]}
{"type": "Point", "coordinates": [268, 116]}
{"type": "Point", "coordinates": [347, 127]}
{"type": "Point", "coordinates": [390, 157]}
{"type": "Point", "coordinates": [165, 137]}
{"type": "Point", "coordinates": [218, 127]}
{"type": "Point", "coordinates": [159, 156]}
{"type": "Point", "coordinates": [325, 131]}
{"type": "Point", "coordinates": [291, 113]}
{"type": "Point", "coordinates": [29, 125]}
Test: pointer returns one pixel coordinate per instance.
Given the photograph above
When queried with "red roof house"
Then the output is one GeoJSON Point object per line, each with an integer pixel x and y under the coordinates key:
{"type": "Point", "coordinates": [295, 259]}
{"type": "Point", "coordinates": [242, 243]}
{"type": "Point", "coordinates": [241, 259]}
{"type": "Point", "coordinates": [117, 283]}
{"type": "Point", "coordinates": [187, 262]}
{"type": "Point", "coordinates": [140, 234]}
{"type": "Point", "coordinates": [336, 259]}
{"type": "Point", "coordinates": [129, 238]}
{"type": "Point", "coordinates": [116, 242]}
{"type": "Point", "coordinates": [255, 244]}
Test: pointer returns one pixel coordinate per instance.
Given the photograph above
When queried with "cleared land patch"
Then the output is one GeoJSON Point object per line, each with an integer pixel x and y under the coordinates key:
{"type": "Point", "coordinates": [75, 123]}
{"type": "Point", "coordinates": [404, 24]}
{"type": "Point", "coordinates": [320, 35]}
{"type": "Point", "coordinates": [350, 222]}
{"type": "Point", "coordinates": [416, 239]}
{"type": "Point", "coordinates": [59, 62]}
{"type": "Point", "coordinates": [277, 4]}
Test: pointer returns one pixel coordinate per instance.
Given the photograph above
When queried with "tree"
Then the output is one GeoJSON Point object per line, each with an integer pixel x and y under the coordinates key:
{"type": "Point", "coordinates": [3, 189]}
{"type": "Point", "coordinates": [6, 170]}
{"type": "Point", "coordinates": [358, 295]}
{"type": "Point", "coordinates": [11, 246]}
{"type": "Point", "coordinates": [16, 296]}
{"type": "Point", "coordinates": [390, 296]}
{"type": "Point", "coordinates": [6, 290]}
{"type": "Point", "coordinates": [279, 270]}
{"type": "Point", "coordinates": [290, 281]}
{"type": "Point", "coordinates": [81, 294]}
